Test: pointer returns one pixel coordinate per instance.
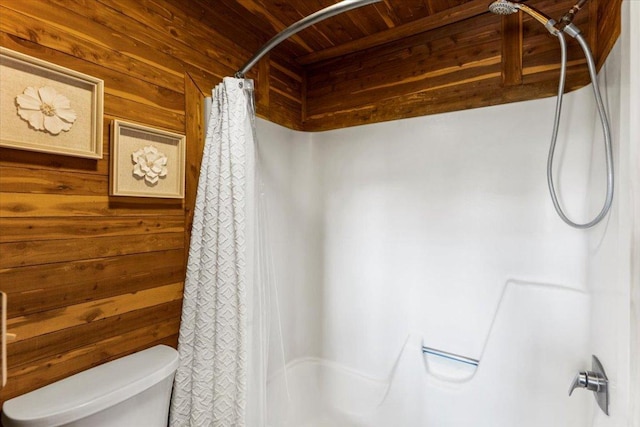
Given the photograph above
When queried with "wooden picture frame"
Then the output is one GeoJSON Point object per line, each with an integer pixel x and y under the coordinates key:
{"type": "Point", "coordinates": [49, 108]}
{"type": "Point", "coordinates": [146, 162]}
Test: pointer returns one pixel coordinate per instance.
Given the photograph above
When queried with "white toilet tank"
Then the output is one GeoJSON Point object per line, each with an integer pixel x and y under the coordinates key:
{"type": "Point", "coordinates": [131, 391]}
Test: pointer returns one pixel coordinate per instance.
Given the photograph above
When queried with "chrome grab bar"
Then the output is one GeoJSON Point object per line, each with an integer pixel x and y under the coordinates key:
{"type": "Point", "coordinates": [451, 356]}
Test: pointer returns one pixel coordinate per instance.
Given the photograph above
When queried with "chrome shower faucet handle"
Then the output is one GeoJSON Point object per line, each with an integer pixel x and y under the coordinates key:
{"type": "Point", "coordinates": [596, 381]}
{"type": "Point", "coordinates": [589, 380]}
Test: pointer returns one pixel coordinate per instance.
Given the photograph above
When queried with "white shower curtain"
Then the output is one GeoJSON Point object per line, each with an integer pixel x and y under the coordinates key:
{"type": "Point", "coordinates": [216, 331]}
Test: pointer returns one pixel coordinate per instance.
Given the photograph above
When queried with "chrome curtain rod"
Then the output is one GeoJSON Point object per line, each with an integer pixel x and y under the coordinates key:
{"type": "Point", "coordinates": [314, 18]}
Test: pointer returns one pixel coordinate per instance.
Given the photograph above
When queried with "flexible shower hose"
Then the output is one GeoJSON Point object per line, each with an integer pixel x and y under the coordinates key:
{"type": "Point", "coordinates": [605, 128]}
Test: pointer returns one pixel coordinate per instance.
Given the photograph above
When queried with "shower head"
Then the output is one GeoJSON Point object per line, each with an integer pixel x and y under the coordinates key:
{"type": "Point", "coordinates": [504, 7]}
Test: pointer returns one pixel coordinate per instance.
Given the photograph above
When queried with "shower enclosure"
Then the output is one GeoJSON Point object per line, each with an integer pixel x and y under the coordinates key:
{"type": "Point", "coordinates": [421, 276]}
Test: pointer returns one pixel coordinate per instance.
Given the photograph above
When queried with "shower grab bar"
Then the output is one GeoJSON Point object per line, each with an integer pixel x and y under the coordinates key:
{"type": "Point", "coordinates": [450, 356]}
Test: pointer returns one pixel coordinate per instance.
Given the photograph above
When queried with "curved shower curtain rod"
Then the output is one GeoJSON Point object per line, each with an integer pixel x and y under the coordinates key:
{"type": "Point", "coordinates": [314, 18]}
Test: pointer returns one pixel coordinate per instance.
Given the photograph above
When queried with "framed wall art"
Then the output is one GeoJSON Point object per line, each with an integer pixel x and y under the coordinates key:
{"type": "Point", "coordinates": [146, 162]}
{"type": "Point", "coordinates": [49, 108]}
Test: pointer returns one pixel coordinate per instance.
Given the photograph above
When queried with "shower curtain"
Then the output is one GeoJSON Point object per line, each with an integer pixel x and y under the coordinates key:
{"type": "Point", "coordinates": [218, 327]}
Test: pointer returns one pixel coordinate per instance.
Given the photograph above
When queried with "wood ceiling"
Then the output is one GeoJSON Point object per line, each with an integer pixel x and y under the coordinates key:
{"type": "Point", "coordinates": [358, 29]}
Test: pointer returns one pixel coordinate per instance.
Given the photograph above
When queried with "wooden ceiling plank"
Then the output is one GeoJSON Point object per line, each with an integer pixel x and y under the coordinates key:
{"type": "Point", "coordinates": [363, 23]}
{"type": "Point", "coordinates": [291, 12]}
{"type": "Point", "coordinates": [314, 35]}
{"type": "Point", "coordinates": [430, 8]}
{"type": "Point", "coordinates": [228, 17]}
{"type": "Point", "coordinates": [373, 18]}
{"type": "Point", "coordinates": [386, 13]}
{"type": "Point", "coordinates": [440, 5]}
{"type": "Point", "coordinates": [447, 17]}
{"type": "Point", "coordinates": [339, 28]}
{"type": "Point", "coordinates": [410, 10]}
{"type": "Point", "coordinates": [259, 9]}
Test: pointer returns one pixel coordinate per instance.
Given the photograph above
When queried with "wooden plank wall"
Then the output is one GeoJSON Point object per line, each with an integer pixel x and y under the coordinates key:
{"type": "Point", "coordinates": [478, 59]}
{"type": "Point", "coordinates": [90, 277]}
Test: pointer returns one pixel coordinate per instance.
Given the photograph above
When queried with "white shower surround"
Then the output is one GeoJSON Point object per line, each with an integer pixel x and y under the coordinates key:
{"type": "Point", "coordinates": [440, 231]}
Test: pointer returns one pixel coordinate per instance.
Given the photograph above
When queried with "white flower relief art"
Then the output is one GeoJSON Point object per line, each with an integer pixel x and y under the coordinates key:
{"type": "Point", "coordinates": [150, 164]}
{"type": "Point", "coordinates": [45, 109]}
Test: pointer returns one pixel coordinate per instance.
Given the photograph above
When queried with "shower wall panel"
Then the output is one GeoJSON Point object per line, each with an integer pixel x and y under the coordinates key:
{"type": "Point", "coordinates": [426, 220]}
{"type": "Point", "coordinates": [419, 229]}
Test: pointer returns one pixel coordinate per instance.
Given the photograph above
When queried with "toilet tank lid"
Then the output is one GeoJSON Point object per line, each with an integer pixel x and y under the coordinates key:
{"type": "Point", "coordinates": [93, 390]}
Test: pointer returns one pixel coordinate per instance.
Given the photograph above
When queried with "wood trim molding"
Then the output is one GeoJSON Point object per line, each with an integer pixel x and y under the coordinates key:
{"type": "Point", "coordinates": [194, 112]}
{"type": "Point", "coordinates": [512, 49]}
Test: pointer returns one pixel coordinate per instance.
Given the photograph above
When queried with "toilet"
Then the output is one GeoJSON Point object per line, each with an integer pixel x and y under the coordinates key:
{"type": "Point", "coordinates": [131, 391]}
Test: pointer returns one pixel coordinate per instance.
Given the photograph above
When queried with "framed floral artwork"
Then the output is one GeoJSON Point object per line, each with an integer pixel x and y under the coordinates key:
{"type": "Point", "coordinates": [49, 108]}
{"type": "Point", "coordinates": [146, 162]}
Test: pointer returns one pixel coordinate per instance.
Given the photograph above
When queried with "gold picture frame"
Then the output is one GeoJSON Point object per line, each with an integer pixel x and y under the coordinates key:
{"type": "Point", "coordinates": [48, 108]}
{"type": "Point", "coordinates": [146, 162]}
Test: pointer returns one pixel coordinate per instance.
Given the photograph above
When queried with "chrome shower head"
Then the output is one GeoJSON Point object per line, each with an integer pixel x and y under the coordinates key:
{"type": "Point", "coordinates": [503, 7]}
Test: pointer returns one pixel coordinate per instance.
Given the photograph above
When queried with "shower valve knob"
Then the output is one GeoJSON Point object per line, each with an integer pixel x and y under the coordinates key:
{"type": "Point", "coordinates": [596, 381]}
{"type": "Point", "coordinates": [589, 380]}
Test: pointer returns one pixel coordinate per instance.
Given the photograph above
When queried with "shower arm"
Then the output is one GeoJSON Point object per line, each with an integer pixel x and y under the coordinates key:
{"type": "Point", "coordinates": [312, 19]}
{"type": "Point", "coordinates": [538, 16]}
